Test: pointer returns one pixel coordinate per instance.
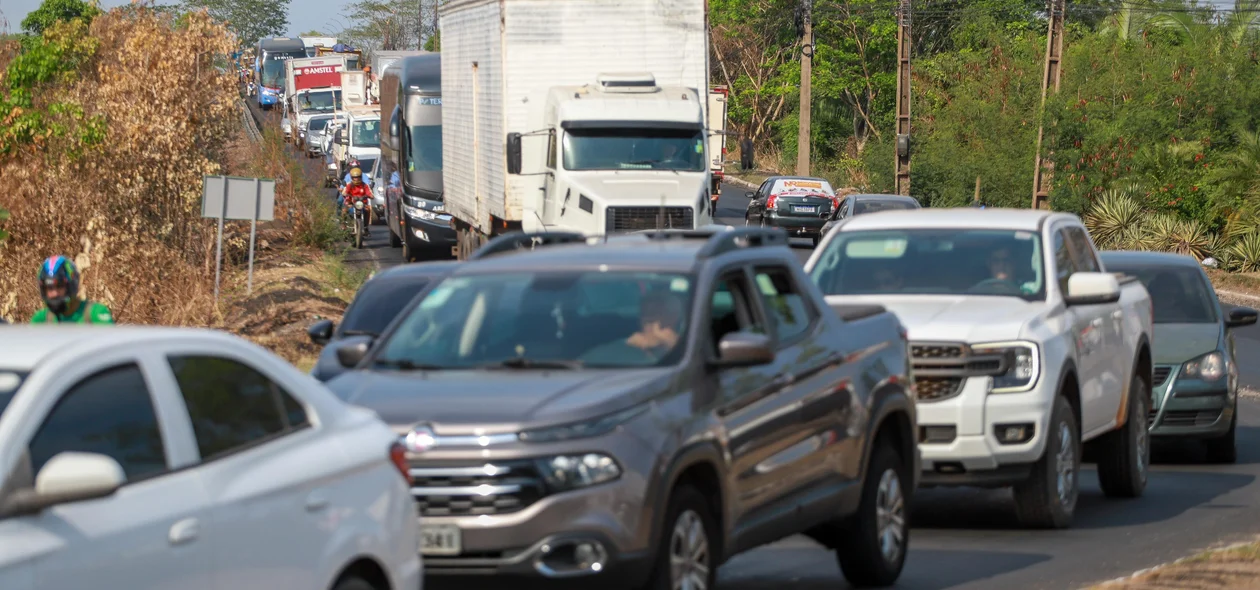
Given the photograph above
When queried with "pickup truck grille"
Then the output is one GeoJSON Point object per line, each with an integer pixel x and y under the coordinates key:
{"type": "Point", "coordinates": [1161, 375]}
{"type": "Point", "coordinates": [641, 218]}
{"type": "Point", "coordinates": [1187, 418]}
{"type": "Point", "coordinates": [937, 356]}
{"type": "Point", "coordinates": [931, 389]}
{"type": "Point", "coordinates": [471, 490]}
{"type": "Point", "coordinates": [936, 351]}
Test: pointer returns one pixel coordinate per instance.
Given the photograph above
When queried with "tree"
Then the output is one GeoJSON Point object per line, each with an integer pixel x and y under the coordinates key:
{"type": "Point", "coordinates": [53, 11]}
{"type": "Point", "coordinates": [251, 20]}
{"type": "Point", "coordinates": [387, 25]}
{"type": "Point", "coordinates": [313, 33]}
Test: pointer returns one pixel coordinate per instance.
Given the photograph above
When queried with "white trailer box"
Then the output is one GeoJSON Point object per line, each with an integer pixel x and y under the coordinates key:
{"type": "Point", "coordinates": [382, 60]}
{"type": "Point", "coordinates": [353, 89]}
{"type": "Point", "coordinates": [556, 72]}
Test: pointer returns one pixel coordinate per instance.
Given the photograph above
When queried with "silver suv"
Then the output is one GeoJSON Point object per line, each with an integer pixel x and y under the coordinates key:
{"type": "Point", "coordinates": [632, 411]}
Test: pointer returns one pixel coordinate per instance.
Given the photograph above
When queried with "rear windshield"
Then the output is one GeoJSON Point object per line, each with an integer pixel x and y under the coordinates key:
{"type": "Point", "coordinates": [10, 382]}
{"type": "Point", "coordinates": [1179, 294]}
{"type": "Point", "coordinates": [873, 205]}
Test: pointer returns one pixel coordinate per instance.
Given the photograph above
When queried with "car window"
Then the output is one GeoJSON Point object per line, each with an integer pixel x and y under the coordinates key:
{"type": "Point", "coordinates": [784, 304]}
{"type": "Point", "coordinates": [1063, 264]}
{"type": "Point", "coordinates": [1179, 295]}
{"type": "Point", "coordinates": [233, 406]}
{"type": "Point", "coordinates": [873, 205]}
{"type": "Point", "coordinates": [764, 189]}
{"type": "Point", "coordinates": [110, 413]}
{"type": "Point", "coordinates": [729, 309]}
{"type": "Point", "coordinates": [1082, 251]}
{"type": "Point", "coordinates": [10, 381]}
{"type": "Point", "coordinates": [378, 303]}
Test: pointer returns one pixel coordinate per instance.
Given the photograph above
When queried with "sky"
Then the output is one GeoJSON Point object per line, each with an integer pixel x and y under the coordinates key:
{"type": "Point", "coordinates": [313, 14]}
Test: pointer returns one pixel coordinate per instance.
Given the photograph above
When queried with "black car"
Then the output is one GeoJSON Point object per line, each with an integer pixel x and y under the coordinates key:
{"type": "Point", "coordinates": [375, 305]}
{"type": "Point", "coordinates": [799, 205]}
{"type": "Point", "coordinates": [862, 204]}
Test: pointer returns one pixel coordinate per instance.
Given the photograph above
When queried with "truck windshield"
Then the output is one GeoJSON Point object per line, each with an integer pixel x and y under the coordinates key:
{"type": "Point", "coordinates": [634, 149]}
{"type": "Point", "coordinates": [1178, 295]}
{"type": "Point", "coordinates": [273, 74]}
{"type": "Point", "coordinates": [933, 262]}
{"type": "Point", "coordinates": [366, 134]}
{"type": "Point", "coordinates": [545, 319]}
{"type": "Point", "coordinates": [426, 149]}
{"type": "Point", "coordinates": [10, 381]}
{"type": "Point", "coordinates": [326, 101]}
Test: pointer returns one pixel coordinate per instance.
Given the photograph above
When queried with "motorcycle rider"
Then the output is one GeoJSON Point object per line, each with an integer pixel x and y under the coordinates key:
{"type": "Point", "coordinates": [59, 286]}
{"type": "Point", "coordinates": [357, 190]}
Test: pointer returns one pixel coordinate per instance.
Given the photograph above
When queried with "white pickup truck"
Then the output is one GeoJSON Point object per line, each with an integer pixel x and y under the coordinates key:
{"type": "Point", "coordinates": [1023, 347]}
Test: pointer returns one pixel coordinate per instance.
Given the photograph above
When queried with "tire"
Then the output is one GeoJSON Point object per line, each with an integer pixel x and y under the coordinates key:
{"type": "Point", "coordinates": [865, 559]}
{"type": "Point", "coordinates": [358, 232]}
{"type": "Point", "coordinates": [354, 583]}
{"type": "Point", "coordinates": [688, 512]}
{"type": "Point", "coordinates": [1124, 455]}
{"type": "Point", "coordinates": [1038, 502]}
{"type": "Point", "coordinates": [1223, 450]}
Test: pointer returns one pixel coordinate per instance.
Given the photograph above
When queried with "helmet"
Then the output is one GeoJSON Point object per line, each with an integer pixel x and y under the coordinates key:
{"type": "Point", "coordinates": [354, 162]}
{"type": "Point", "coordinates": [356, 174]}
{"type": "Point", "coordinates": [59, 271]}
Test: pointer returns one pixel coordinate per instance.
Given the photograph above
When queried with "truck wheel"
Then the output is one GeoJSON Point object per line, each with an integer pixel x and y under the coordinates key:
{"type": "Point", "coordinates": [1047, 499]}
{"type": "Point", "coordinates": [1124, 455]}
{"type": "Point", "coordinates": [872, 550]}
{"type": "Point", "coordinates": [684, 553]}
{"type": "Point", "coordinates": [1223, 450]}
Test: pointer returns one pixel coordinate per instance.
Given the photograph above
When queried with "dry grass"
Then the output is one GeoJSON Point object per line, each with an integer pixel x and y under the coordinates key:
{"type": "Point", "coordinates": [1232, 568]}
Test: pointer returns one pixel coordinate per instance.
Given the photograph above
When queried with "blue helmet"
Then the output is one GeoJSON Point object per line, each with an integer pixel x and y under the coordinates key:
{"type": "Point", "coordinates": [59, 271]}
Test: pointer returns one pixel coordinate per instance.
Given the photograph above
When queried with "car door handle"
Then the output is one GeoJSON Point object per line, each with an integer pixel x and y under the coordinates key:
{"type": "Point", "coordinates": [184, 531]}
{"type": "Point", "coordinates": [1117, 314]}
{"type": "Point", "coordinates": [316, 501]}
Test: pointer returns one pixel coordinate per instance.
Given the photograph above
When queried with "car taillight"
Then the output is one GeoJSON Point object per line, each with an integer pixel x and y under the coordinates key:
{"type": "Point", "coordinates": [835, 203]}
{"type": "Point", "coordinates": [771, 200]}
{"type": "Point", "coordinates": [398, 456]}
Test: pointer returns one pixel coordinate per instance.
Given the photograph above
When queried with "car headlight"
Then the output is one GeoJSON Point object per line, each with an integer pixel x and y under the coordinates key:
{"type": "Point", "coordinates": [419, 213]}
{"type": "Point", "coordinates": [570, 472]}
{"type": "Point", "coordinates": [1208, 367]}
{"type": "Point", "coordinates": [1023, 363]}
{"type": "Point", "coordinates": [588, 429]}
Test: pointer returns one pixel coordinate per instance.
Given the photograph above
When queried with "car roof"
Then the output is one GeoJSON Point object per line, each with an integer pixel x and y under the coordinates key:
{"type": "Point", "coordinates": [25, 346]}
{"type": "Point", "coordinates": [421, 270]}
{"type": "Point", "coordinates": [1142, 258]}
{"type": "Point", "coordinates": [956, 218]}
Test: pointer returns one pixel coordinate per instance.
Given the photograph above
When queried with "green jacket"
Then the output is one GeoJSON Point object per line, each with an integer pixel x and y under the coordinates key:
{"type": "Point", "coordinates": [88, 312]}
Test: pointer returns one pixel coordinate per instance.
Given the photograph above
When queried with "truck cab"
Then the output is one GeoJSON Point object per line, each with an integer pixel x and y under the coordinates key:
{"type": "Point", "coordinates": [308, 103]}
{"type": "Point", "coordinates": [359, 137]}
{"type": "Point", "coordinates": [622, 154]}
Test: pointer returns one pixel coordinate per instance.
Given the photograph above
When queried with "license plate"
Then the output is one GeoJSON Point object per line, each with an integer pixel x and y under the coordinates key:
{"type": "Point", "coordinates": [440, 539]}
{"type": "Point", "coordinates": [804, 209]}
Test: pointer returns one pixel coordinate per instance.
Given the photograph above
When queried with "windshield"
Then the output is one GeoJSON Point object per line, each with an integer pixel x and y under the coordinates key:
{"type": "Point", "coordinates": [273, 74]}
{"type": "Point", "coordinates": [318, 123]}
{"type": "Point", "coordinates": [366, 134]}
{"type": "Point", "coordinates": [10, 381]}
{"type": "Point", "coordinates": [1179, 295]}
{"type": "Point", "coordinates": [873, 205]}
{"type": "Point", "coordinates": [932, 261]}
{"type": "Point", "coordinates": [378, 303]}
{"type": "Point", "coordinates": [560, 319]}
{"type": "Point", "coordinates": [634, 149]}
{"type": "Point", "coordinates": [426, 149]}
{"type": "Point", "coordinates": [325, 101]}
{"type": "Point", "coordinates": [366, 165]}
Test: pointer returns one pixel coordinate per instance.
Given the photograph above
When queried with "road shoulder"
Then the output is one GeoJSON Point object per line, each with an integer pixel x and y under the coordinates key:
{"type": "Point", "coordinates": [1233, 567]}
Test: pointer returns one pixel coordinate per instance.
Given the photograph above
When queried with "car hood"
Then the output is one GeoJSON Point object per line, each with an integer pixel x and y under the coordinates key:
{"type": "Point", "coordinates": [486, 402]}
{"type": "Point", "coordinates": [954, 318]}
{"type": "Point", "coordinates": [1177, 343]}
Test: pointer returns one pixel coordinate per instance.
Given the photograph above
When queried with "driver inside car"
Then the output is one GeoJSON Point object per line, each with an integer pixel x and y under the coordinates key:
{"type": "Point", "coordinates": [1000, 265]}
{"type": "Point", "coordinates": [660, 329]}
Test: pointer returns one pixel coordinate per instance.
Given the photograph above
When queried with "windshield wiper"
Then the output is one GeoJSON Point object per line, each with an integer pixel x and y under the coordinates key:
{"type": "Point", "coordinates": [524, 363]}
{"type": "Point", "coordinates": [359, 333]}
{"type": "Point", "coordinates": [407, 365]}
{"type": "Point", "coordinates": [643, 162]}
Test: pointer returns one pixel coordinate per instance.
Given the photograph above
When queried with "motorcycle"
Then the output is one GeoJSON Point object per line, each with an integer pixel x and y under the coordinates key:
{"type": "Point", "coordinates": [360, 215]}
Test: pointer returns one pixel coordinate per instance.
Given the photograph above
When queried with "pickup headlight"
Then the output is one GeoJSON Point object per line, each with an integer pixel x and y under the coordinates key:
{"type": "Point", "coordinates": [570, 472]}
{"type": "Point", "coordinates": [1208, 367]}
{"type": "Point", "coordinates": [418, 213]}
{"type": "Point", "coordinates": [1023, 362]}
{"type": "Point", "coordinates": [588, 429]}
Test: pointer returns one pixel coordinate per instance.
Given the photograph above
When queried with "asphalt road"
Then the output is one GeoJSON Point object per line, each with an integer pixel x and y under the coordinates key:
{"type": "Point", "coordinates": [969, 538]}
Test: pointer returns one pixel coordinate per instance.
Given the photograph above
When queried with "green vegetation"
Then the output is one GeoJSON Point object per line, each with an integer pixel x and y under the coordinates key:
{"type": "Point", "coordinates": [51, 12]}
{"type": "Point", "coordinates": [1154, 134]}
{"type": "Point", "coordinates": [250, 20]}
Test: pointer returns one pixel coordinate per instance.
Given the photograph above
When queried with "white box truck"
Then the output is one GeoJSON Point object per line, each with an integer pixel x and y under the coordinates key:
{"type": "Point", "coordinates": [574, 115]}
{"type": "Point", "coordinates": [718, 96]}
{"type": "Point", "coordinates": [381, 60]}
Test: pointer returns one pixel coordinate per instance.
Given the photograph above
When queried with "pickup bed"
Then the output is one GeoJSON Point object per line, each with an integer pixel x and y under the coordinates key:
{"type": "Point", "coordinates": [1027, 354]}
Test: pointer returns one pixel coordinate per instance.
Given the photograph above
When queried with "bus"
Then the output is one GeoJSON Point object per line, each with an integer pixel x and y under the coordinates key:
{"type": "Point", "coordinates": [269, 67]}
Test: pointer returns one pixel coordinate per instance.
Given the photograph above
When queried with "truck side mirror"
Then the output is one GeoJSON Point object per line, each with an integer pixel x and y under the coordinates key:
{"type": "Point", "coordinates": [514, 153]}
{"type": "Point", "coordinates": [395, 128]}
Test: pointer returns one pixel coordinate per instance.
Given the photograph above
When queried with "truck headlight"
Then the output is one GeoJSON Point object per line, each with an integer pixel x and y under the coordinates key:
{"type": "Point", "coordinates": [1023, 363]}
{"type": "Point", "coordinates": [570, 472]}
{"type": "Point", "coordinates": [418, 213]}
{"type": "Point", "coordinates": [1208, 367]}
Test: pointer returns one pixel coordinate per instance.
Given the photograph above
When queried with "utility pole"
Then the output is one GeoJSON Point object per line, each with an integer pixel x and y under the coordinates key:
{"type": "Point", "coordinates": [1044, 167]}
{"type": "Point", "coordinates": [807, 77]}
{"type": "Point", "coordinates": [903, 99]}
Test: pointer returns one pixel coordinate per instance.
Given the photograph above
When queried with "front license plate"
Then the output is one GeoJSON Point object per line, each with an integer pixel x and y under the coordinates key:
{"type": "Point", "coordinates": [803, 209]}
{"type": "Point", "coordinates": [440, 539]}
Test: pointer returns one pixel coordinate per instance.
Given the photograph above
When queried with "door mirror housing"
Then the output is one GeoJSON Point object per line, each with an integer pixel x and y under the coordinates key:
{"type": "Point", "coordinates": [745, 349]}
{"type": "Point", "coordinates": [352, 351]}
{"type": "Point", "coordinates": [1241, 316]}
{"type": "Point", "coordinates": [751, 195]}
{"type": "Point", "coordinates": [1092, 288]}
{"type": "Point", "coordinates": [395, 128]}
{"type": "Point", "coordinates": [321, 332]}
{"type": "Point", "coordinates": [66, 478]}
{"type": "Point", "coordinates": [514, 153]}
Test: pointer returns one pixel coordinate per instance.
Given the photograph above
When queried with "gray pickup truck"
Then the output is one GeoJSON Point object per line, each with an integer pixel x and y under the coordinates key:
{"type": "Point", "coordinates": [632, 411]}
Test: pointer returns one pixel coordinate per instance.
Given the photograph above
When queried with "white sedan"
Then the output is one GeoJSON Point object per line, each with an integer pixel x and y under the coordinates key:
{"type": "Point", "coordinates": [163, 458]}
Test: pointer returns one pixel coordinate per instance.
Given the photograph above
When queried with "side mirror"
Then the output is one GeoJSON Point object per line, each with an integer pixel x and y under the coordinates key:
{"type": "Point", "coordinates": [745, 349]}
{"type": "Point", "coordinates": [395, 128]}
{"type": "Point", "coordinates": [751, 194]}
{"type": "Point", "coordinates": [342, 139]}
{"type": "Point", "coordinates": [351, 351]}
{"type": "Point", "coordinates": [1092, 288]}
{"type": "Point", "coordinates": [514, 153]}
{"type": "Point", "coordinates": [1241, 316]}
{"type": "Point", "coordinates": [67, 477]}
{"type": "Point", "coordinates": [321, 332]}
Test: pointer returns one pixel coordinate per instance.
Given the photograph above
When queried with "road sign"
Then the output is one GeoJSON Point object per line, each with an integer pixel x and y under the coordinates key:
{"type": "Point", "coordinates": [234, 197]}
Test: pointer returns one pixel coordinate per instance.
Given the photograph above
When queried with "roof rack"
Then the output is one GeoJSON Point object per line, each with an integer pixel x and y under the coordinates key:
{"type": "Point", "coordinates": [525, 241]}
{"type": "Point", "coordinates": [724, 238]}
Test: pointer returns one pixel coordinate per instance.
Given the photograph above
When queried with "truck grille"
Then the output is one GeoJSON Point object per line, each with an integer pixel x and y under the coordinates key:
{"type": "Point", "coordinates": [471, 490]}
{"type": "Point", "coordinates": [1161, 375]}
{"type": "Point", "coordinates": [1188, 418]}
{"type": "Point", "coordinates": [934, 356]}
{"type": "Point", "coordinates": [641, 218]}
{"type": "Point", "coordinates": [936, 351]}
{"type": "Point", "coordinates": [931, 389]}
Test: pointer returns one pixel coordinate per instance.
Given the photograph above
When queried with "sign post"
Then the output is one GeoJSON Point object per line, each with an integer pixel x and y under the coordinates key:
{"type": "Point", "coordinates": [231, 197]}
